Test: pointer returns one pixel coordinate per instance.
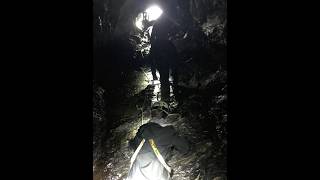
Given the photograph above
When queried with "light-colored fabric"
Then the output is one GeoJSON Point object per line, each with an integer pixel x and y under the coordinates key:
{"type": "Point", "coordinates": [159, 156]}
{"type": "Point", "coordinates": [147, 167]}
{"type": "Point", "coordinates": [133, 158]}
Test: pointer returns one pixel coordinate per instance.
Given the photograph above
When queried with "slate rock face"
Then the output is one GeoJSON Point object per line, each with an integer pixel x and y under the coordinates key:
{"type": "Point", "coordinates": [98, 113]}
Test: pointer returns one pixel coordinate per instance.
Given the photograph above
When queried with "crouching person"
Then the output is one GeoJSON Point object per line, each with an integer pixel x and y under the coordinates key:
{"type": "Point", "coordinates": [153, 144]}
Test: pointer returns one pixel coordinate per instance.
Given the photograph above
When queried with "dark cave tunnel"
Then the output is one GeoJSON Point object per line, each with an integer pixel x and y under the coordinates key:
{"type": "Point", "coordinates": [126, 93]}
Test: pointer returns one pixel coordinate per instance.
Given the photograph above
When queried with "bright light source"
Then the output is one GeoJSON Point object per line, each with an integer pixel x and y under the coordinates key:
{"type": "Point", "coordinates": [153, 13]}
